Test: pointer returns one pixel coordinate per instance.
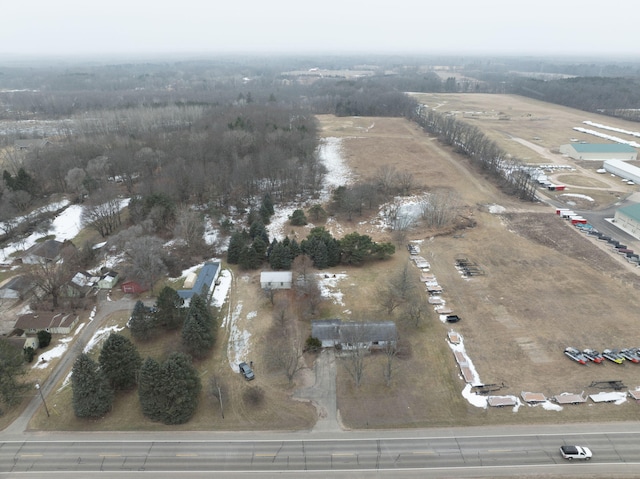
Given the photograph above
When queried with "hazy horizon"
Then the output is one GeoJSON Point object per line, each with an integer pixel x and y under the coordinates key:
{"type": "Point", "coordinates": [142, 28]}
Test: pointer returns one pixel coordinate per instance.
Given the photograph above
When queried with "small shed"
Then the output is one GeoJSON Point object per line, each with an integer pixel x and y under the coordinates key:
{"type": "Point", "coordinates": [133, 287]}
{"type": "Point", "coordinates": [55, 323]}
{"type": "Point", "coordinates": [276, 279]}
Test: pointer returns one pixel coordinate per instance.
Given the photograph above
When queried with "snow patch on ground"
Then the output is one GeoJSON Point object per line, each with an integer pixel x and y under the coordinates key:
{"type": "Point", "coordinates": [328, 284]}
{"type": "Point", "coordinates": [577, 195]}
{"type": "Point", "coordinates": [57, 351]}
{"type": "Point", "coordinates": [100, 336]}
{"type": "Point", "coordinates": [496, 209]}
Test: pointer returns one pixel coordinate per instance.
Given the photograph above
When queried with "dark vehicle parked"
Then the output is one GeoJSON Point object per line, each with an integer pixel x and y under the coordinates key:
{"type": "Point", "coordinates": [246, 371]}
{"type": "Point", "coordinates": [453, 318]}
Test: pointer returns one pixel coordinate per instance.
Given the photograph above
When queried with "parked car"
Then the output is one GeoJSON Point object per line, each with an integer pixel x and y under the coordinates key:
{"type": "Point", "coordinates": [246, 371]}
{"type": "Point", "coordinates": [575, 452]}
{"type": "Point", "coordinates": [453, 318]}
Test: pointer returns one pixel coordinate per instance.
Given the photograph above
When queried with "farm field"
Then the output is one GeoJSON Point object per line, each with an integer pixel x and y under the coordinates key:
{"type": "Point", "coordinates": [546, 287]}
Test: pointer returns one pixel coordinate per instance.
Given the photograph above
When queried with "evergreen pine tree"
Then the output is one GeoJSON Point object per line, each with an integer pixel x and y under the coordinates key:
{"type": "Point", "coordinates": [320, 257]}
{"type": "Point", "coordinates": [260, 247]}
{"type": "Point", "coordinates": [140, 324]}
{"type": "Point", "coordinates": [182, 388]}
{"type": "Point", "coordinates": [169, 312]}
{"type": "Point", "coordinates": [276, 258]}
{"type": "Point", "coordinates": [120, 361]}
{"type": "Point", "coordinates": [196, 337]}
{"type": "Point", "coordinates": [92, 396]}
{"type": "Point", "coordinates": [236, 243]}
{"type": "Point", "coordinates": [152, 403]}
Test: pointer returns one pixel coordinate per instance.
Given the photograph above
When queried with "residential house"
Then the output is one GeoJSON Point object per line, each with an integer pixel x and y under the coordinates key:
{"type": "Point", "coordinates": [108, 280]}
{"type": "Point", "coordinates": [55, 323]}
{"type": "Point", "coordinates": [17, 287]}
{"type": "Point", "coordinates": [276, 279]}
{"type": "Point", "coordinates": [81, 284]}
{"type": "Point", "coordinates": [46, 251]}
{"type": "Point", "coordinates": [207, 276]}
{"type": "Point", "coordinates": [352, 334]}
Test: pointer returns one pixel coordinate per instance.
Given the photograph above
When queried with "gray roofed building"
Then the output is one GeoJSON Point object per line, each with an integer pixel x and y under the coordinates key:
{"type": "Point", "coordinates": [17, 288]}
{"type": "Point", "coordinates": [32, 143]}
{"type": "Point", "coordinates": [347, 335]}
{"type": "Point", "coordinates": [48, 250]}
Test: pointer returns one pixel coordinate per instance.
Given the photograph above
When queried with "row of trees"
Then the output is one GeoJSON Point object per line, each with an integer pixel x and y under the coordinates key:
{"type": "Point", "coordinates": [484, 152]}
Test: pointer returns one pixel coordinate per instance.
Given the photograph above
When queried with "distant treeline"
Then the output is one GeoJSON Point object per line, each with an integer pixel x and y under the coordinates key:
{"type": "Point", "coordinates": [610, 96]}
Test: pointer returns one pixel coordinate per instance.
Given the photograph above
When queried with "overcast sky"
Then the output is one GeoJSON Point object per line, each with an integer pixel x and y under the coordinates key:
{"type": "Point", "coordinates": [81, 27]}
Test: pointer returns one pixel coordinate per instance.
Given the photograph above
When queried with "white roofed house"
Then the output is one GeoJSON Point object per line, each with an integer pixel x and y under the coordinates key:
{"type": "Point", "coordinates": [276, 279]}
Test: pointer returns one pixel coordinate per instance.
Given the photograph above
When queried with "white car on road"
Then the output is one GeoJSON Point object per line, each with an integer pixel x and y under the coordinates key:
{"type": "Point", "coordinates": [575, 452]}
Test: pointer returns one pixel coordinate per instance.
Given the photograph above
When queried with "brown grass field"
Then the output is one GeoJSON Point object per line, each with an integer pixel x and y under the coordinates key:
{"type": "Point", "coordinates": [546, 287]}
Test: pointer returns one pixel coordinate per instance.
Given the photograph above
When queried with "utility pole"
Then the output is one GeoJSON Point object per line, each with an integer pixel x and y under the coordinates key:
{"type": "Point", "coordinates": [42, 397]}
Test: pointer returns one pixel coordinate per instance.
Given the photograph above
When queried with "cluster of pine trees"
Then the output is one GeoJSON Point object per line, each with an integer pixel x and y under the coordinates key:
{"type": "Point", "coordinates": [168, 390]}
{"type": "Point", "coordinates": [250, 249]}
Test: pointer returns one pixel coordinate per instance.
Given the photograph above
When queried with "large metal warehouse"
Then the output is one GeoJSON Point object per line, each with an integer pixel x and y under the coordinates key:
{"type": "Point", "coordinates": [599, 151]}
{"type": "Point", "coordinates": [628, 219]}
{"type": "Point", "coordinates": [623, 170]}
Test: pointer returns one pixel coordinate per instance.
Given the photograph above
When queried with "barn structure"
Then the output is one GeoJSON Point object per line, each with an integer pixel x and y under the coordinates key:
{"type": "Point", "coordinates": [350, 335]}
{"type": "Point", "coordinates": [599, 151]}
{"type": "Point", "coordinates": [276, 279]}
{"type": "Point", "coordinates": [133, 287]}
{"type": "Point", "coordinates": [623, 170]}
{"type": "Point", "coordinates": [628, 219]}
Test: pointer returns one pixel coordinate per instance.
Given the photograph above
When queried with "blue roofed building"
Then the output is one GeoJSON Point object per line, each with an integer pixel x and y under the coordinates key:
{"type": "Point", "coordinates": [202, 285]}
{"type": "Point", "coordinates": [599, 151]}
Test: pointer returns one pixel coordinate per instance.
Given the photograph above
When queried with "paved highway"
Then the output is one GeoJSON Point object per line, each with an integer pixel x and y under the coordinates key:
{"type": "Point", "coordinates": [511, 454]}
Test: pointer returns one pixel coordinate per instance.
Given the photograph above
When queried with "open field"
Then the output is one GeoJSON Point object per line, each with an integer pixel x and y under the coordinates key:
{"type": "Point", "coordinates": [546, 287]}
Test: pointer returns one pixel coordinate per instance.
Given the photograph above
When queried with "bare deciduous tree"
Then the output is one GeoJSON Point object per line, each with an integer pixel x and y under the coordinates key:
{"type": "Point", "coordinates": [102, 213]}
{"type": "Point", "coordinates": [354, 351]}
{"type": "Point", "coordinates": [190, 228]}
{"type": "Point", "coordinates": [145, 259]}
{"type": "Point", "coordinates": [441, 208]}
{"type": "Point", "coordinates": [390, 351]}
